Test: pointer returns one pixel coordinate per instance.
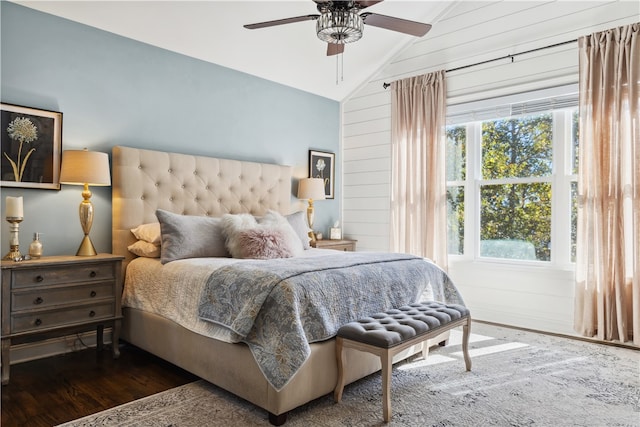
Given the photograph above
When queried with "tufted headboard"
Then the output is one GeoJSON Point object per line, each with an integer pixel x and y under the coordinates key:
{"type": "Point", "coordinates": [146, 180]}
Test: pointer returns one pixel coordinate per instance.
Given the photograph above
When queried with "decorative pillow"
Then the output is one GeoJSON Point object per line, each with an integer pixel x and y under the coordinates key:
{"type": "Point", "coordinates": [272, 226]}
{"type": "Point", "coordinates": [262, 243]}
{"type": "Point", "coordinates": [275, 219]}
{"type": "Point", "coordinates": [145, 249]}
{"type": "Point", "coordinates": [298, 221]}
{"type": "Point", "coordinates": [190, 236]}
{"type": "Point", "coordinates": [231, 226]}
{"type": "Point", "coordinates": [148, 232]}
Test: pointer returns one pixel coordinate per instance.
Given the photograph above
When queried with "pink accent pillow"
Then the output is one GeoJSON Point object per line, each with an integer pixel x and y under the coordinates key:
{"type": "Point", "coordinates": [263, 243]}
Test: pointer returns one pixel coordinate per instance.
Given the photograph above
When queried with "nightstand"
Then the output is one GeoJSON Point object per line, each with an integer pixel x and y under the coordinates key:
{"type": "Point", "coordinates": [339, 245]}
{"type": "Point", "coordinates": [58, 295]}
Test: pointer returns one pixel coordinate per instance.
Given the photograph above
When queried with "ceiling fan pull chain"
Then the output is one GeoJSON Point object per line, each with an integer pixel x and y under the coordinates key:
{"type": "Point", "coordinates": [342, 67]}
{"type": "Point", "coordinates": [337, 69]}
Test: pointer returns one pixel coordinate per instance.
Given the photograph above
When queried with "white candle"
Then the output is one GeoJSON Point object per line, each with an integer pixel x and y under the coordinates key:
{"type": "Point", "coordinates": [14, 207]}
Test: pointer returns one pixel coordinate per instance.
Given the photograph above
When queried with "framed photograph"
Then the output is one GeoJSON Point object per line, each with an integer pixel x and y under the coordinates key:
{"type": "Point", "coordinates": [335, 233]}
{"type": "Point", "coordinates": [322, 165]}
{"type": "Point", "coordinates": [31, 145]}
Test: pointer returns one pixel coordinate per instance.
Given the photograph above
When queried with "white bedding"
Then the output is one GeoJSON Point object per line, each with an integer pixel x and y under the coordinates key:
{"type": "Point", "coordinates": [173, 290]}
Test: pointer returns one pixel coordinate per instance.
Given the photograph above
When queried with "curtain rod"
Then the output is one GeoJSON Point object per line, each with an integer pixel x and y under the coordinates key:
{"type": "Point", "coordinates": [510, 56]}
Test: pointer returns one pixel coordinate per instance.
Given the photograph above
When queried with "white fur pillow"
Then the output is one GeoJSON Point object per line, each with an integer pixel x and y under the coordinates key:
{"type": "Point", "coordinates": [274, 219]}
{"type": "Point", "coordinates": [231, 226]}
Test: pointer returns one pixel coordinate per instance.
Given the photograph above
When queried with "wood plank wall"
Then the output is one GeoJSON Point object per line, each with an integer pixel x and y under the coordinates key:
{"type": "Point", "coordinates": [466, 33]}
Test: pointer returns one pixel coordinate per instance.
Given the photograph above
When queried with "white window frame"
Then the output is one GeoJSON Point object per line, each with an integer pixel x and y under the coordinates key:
{"type": "Point", "coordinates": [561, 102]}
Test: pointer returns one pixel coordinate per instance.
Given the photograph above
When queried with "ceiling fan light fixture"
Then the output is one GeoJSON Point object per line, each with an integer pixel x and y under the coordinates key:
{"type": "Point", "coordinates": [339, 26]}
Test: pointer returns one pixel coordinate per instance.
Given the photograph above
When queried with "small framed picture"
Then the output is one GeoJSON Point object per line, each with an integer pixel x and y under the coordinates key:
{"type": "Point", "coordinates": [31, 145]}
{"type": "Point", "coordinates": [335, 233]}
{"type": "Point", "coordinates": [322, 165]}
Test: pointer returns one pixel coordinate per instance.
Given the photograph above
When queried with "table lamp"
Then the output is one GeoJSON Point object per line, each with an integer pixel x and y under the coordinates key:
{"type": "Point", "coordinates": [83, 167]}
{"type": "Point", "coordinates": [311, 188]}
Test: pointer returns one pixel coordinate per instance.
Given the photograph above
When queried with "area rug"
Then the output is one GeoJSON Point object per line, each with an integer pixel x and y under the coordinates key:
{"type": "Point", "coordinates": [518, 378]}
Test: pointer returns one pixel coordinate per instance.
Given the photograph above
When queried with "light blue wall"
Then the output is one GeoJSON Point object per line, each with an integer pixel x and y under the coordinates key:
{"type": "Point", "coordinates": [116, 91]}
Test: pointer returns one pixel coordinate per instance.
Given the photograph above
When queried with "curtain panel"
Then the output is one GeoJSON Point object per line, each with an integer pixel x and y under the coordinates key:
{"type": "Point", "coordinates": [418, 180]}
{"type": "Point", "coordinates": [607, 293]}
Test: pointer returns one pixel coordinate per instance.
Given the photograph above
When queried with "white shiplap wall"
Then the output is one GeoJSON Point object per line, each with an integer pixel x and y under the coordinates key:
{"type": "Point", "coordinates": [466, 33]}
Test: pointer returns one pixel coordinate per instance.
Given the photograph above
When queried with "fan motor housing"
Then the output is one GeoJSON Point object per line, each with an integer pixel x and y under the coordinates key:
{"type": "Point", "coordinates": [339, 26]}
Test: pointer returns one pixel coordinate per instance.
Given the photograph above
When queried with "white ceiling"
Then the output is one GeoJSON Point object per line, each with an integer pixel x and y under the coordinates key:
{"type": "Point", "coordinates": [288, 54]}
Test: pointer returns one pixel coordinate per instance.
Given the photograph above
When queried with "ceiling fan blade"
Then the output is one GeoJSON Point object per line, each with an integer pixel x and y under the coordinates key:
{"type": "Point", "coordinates": [414, 28]}
{"type": "Point", "coordinates": [334, 49]}
{"type": "Point", "coordinates": [367, 3]}
{"type": "Point", "coordinates": [281, 22]}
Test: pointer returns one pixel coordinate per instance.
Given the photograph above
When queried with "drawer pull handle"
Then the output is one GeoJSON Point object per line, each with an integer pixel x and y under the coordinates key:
{"type": "Point", "coordinates": [38, 322]}
{"type": "Point", "coordinates": [92, 313]}
{"type": "Point", "coordinates": [38, 300]}
{"type": "Point", "coordinates": [93, 274]}
{"type": "Point", "coordinates": [39, 278]}
{"type": "Point", "coordinates": [93, 294]}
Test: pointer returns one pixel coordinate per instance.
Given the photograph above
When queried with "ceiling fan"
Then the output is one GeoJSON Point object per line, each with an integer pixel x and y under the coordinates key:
{"type": "Point", "coordinates": [340, 22]}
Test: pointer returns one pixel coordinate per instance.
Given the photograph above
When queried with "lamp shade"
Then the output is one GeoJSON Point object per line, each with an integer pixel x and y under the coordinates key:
{"type": "Point", "coordinates": [311, 188]}
{"type": "Point", "coordinates": [81, 167]}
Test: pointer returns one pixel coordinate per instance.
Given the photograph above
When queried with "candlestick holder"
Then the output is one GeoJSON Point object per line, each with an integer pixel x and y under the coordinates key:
{"type": "Point", "coordinates": [14, 240]}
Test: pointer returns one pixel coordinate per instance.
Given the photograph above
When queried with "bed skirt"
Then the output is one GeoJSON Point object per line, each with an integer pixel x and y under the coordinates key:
{"type": "Point", "coordinates": [233, 368]}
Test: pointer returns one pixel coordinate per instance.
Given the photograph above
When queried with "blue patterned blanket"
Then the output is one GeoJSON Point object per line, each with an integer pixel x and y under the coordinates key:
{"type": "Point", "coordinates": [277, 307]}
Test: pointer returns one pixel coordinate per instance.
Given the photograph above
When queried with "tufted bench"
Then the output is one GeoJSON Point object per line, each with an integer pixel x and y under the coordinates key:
{"type": "Point", "coordinates": [386, 334]}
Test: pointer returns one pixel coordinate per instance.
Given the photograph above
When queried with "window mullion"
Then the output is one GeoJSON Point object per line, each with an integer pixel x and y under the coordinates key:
{"type": "Point", "coordinates": [561, 187]}
{"type": "Point", "coordinates": [472, 190]}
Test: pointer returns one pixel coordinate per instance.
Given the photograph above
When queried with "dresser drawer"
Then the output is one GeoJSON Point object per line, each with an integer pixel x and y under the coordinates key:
{"type": "Point", "coordinates": [35, 298]}
{"type": "Point", "coordinates": [62, 274]}
{"type": "Point", "coordinates": [34, 321]}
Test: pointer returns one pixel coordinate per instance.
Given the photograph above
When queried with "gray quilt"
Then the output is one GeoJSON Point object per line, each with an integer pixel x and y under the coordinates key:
{"type": "Point", "coordinates": [277, 307]}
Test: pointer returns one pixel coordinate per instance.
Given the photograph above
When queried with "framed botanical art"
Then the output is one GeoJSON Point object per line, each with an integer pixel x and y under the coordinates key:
{"type": "Point", "coordinates": [31, 145]}
{"type": "Point", "coordinates": [322, 165]}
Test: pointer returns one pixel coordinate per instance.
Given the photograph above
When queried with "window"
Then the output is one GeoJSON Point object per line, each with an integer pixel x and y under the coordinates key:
{"type": "Point", "coordinates": [511, 179]}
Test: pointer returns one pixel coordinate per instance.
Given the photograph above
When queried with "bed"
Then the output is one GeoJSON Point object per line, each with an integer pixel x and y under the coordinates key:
{"type": "Point", "coordinates": [145, 181]}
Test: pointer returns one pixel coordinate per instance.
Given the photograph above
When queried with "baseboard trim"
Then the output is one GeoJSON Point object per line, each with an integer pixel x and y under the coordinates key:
{"type": "Point", "coordinates": [26, 352]}
{"type": "Point", "coordinates": [573, 337]}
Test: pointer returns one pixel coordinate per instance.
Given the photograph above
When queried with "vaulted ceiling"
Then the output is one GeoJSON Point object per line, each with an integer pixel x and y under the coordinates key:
{"type": "Point", "coordinates": [288, 54]}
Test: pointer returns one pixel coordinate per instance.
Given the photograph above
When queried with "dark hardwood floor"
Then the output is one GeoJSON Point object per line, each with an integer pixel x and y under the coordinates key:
{"type": "Point", "coordinates": [58, 389]}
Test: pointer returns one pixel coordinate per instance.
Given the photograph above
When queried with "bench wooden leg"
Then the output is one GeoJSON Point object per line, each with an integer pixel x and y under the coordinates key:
{"type": "Point", "coordinates": [466, 331]}
{"type": "Point", "coordinates": [340, 356]}
{"type": "Point", "coordinates": [425, 349]}
{"type": "Point", "coordinates": [387, 366]}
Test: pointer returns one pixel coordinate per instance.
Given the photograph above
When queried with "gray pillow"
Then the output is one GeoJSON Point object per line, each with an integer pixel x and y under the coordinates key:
{"type": "Point", "coordinates": [190, 236]}
{"type": "Point", "coordinates": [298, 221]}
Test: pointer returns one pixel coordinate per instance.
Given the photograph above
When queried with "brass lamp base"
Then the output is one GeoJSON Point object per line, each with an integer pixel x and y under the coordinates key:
{"type": "Point", "coordinates": [13, 255]}
{"type": "Point", "coordinates": [86, 247]}
{"type": "Point", "coordinates": [312, 234]}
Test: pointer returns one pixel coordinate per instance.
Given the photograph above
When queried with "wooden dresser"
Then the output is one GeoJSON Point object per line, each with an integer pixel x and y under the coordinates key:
{"type": "Point", "coordinates": [58, 295]}
{"type": "Point", "coordinates": [339, 245]}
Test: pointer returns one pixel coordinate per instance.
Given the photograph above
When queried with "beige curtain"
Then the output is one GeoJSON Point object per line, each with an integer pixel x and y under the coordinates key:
{"type": "Point", "coordinates": [418, 181]}
{"type": "Point", "coordinates": [607, 303]}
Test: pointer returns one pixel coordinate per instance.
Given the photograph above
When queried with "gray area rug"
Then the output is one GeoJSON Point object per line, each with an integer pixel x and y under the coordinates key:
{"type": "Point", "coordinates": [518, 378]}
